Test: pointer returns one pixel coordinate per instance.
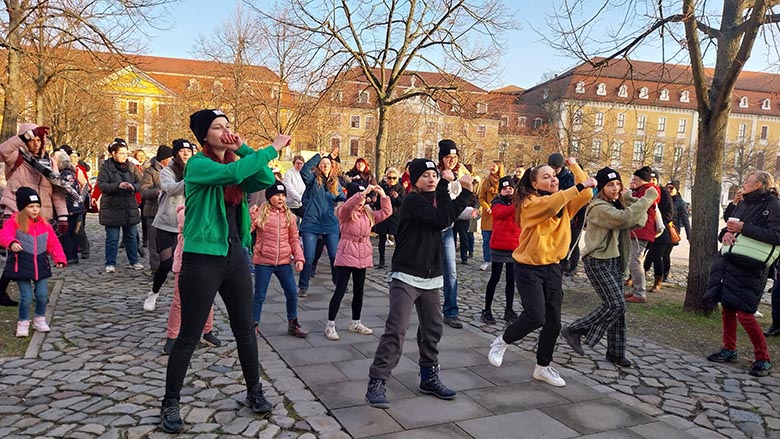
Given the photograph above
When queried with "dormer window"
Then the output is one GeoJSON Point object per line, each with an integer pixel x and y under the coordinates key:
{"type": "Point", "coordinates": [193, 84]}
{"type": "Point", "coordinates": [664, 96]}
{"type": "Point", "coordinates": [455, 107]}
{"type": "Point", "coordinates": [580, 87]}
{"type": "Point", "coordinates": [766, 104]}
{"type": "Point", "coordinates": [601, 89]}
{"type": "Point", "coordinates": [482, 107]}
{"type": "Point", "coordinates": [218, 88]}
{"type": "Point", "coordinates": [337, 96]}
{"type": "Point", "coordinates": [743, 102]}
{"type": "Point", "coordinates": [546, 93]}
{"type": "Point", "coordinates": [623, 91]}
{"type": "Point", "coordinates": [644, 93]}
{"type": "Point", "coordinates": [363, 97]}
{"type": "Point", "coordinates": [685, 96]}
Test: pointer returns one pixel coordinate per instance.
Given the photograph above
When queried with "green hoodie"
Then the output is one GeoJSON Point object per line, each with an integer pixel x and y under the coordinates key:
{"type": "Point", "coordinates": [205, 223]}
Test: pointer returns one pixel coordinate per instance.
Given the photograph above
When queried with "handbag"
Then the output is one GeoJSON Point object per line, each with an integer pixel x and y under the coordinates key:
{"type": "Point", "coordinates": [659, 222]}
{"type": "Point", "coordinates": [674, 234]}
{"type": "Point", "coordinates": [750, 253]}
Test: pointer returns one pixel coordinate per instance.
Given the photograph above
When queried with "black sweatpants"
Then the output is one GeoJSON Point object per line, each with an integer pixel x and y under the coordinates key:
{"type": "Point", "coordinates": [541, 294]}
{"type": "Point", "coordinates": [200, 278]}
{"type": "Point", "coordinates": [342, 280]}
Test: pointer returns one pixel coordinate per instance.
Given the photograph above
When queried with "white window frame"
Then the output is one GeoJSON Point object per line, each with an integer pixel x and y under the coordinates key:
{"type": "Point", "coordinates": [621, 120]}
{"type": "Point", "coordinates": [356, 142]}
{"type": "Point", "coordinates": [601, 89]}
{"type": "Point", "coordinates": [682, 125]}
{"type": "Point", "coordinates": [661, 123]}
{"type": "Point", "coordinates": [641, 122]}
{"type": "Point", "coordinates": [764, 132]}
{"type": "Point", "coordinates": [521, 121]}
{"type": "Point", "coordinates": [742, 131]}
{"type": "Point", "coordinates": [766, 104]}
{"type": "Point", "coordinates": [576, 119]}
{"type": "Point", "coordinates": [644, 93]}
{"type": "Point", "coordinates": [481, 131]}
{"type": "Point", "coordinates": [658, 152]}
{"type": "Point", "coordinates": [354, 121]}
{"type": "Point", "coordinates": [538, 122]}
{"type": "Point", "coordinates": [595, 148]}
{"type": "Point", "coordinates": [598, 120]}
{"type": "Point", "coordinates": [580, 87]}
{"type": "Point", "coordinates": [744, 102]}
{"type": "Point", "coordinates": [623, 91]}
{"type": "Point", "coordinates": [617, 150]}
{"type": "Point", "coordinates": [685, 96]}
{"type": "Point", "coordinates": [504, 121]}
{"type": "Point", "coordinates": [639, 151]}
{"type": "Point", "coordinates": [134, 113]}
{"type": "Point", "coordinates": [482, 107]}
{"type": "Point", "coordinates": [664, 96]}
{"type": "Point", "coordinates": [363, 97]}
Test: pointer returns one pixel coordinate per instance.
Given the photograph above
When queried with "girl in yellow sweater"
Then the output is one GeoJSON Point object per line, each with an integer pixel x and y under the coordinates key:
{"type": "Point", "coordinates": [543, 214]}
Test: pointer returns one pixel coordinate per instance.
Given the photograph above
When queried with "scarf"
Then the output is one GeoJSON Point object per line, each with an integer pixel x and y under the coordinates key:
{"type": "Point", "coordinates": [42, 165]}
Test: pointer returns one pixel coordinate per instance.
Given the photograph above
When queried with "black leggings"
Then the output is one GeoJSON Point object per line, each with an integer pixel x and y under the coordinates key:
{"type": "Point", "coordinates": [166, 244]}
{"type": "Point", "coordinates": [342, 279]}
{"type": "Point", "coordinates": [495, 276]}
{"type": "Point", "coordinates": [383, 244]}
{"type": "Point", "coordinates": [200, 278]}
{"type": "Point", "coordinates": [659, 256]}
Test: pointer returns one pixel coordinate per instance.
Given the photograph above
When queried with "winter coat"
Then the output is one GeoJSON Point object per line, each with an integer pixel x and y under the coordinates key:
{"type": "Point", "coordinates": [354, 249]}
{"type": "Point", "coordinates": [666, 207]}
{"type": "Point", "coordinates": [364, 179]}
{"type": "Point", "coordinates": [318, 203]}
{"type": "Point", "coordinates": [681, 214]}
{"type": "Point", "coordinates": [150, 188]}
{"type": "Point", "coordinates": [118, 207]}
{"type": "Point", "coordinates": [171, 197]}
{"type": "Point", "coordinates": [295, 186]}
{"type": "Point", "coordinates": [53, 203]}
{"type": "Point", "coordinates": [487, 194]}
{"type": "Point", "coordinates": [32, 263]}
{"type": "Point", "coordinates": [506, 232]}
{"type": "Point", "coordinates": [75, 204]}
{"type": "Point", "coordinates": [277, 241]}
{"type": "Point", "coordinates": [730, 284]}
{"type": "Point", "coordinates": [390, 225]}
{"type": "Point", "coordinates": [646, 233]}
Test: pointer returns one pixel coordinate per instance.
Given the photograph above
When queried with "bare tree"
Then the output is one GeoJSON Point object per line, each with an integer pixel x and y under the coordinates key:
{"type": "Point", "coordinates": [696, 27]}
{"type": "Point", "coordinates": [384, 41]}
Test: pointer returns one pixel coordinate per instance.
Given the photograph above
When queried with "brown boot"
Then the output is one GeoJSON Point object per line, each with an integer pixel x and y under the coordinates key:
{"type": "Point", "coordinates": [629, 282]}
{"type": "Point", "coordinates": [657, 284]}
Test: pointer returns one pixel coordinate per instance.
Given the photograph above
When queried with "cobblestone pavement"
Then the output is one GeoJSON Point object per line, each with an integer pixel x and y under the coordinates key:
{"type": "Point", "coordinates": [100, 372]}
{"type": "Point", "coordinates": [707, 399]}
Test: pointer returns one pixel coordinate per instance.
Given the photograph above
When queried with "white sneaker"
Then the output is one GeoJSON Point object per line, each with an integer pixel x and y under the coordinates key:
{"type": "Point", "coordinates": [360, 328]}
{"type": "Point", "coordinates": [40, 325]}
{"type": "Point", "coordinates": [330, 333]}
{"type": "Point", "coordinates": [549, 375]}
{"type": "Point", "coordinates": [110, 269]}
{"type": "Point", "coordinates": [497, 349]}
{"type": "Point", "coordinates": [151, 301]}
{"type": "Point", "coordinates": [484, 266]}
{"type": "Point", "coordinates": [136, 266]}
{"type": "Point", "coordinates": [758, 314]}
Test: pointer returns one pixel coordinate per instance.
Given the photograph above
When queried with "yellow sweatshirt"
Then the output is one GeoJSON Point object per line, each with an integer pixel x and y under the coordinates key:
{"type": "Point", "coordinates": [545, 236]}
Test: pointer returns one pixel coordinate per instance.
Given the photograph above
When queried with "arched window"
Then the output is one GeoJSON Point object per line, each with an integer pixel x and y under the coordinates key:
{"type": "Point", "coordinates": [644, 93]}
{"type": "Point", "coordinates": [766, 104]}
{"type": "Point", "coordinates": [664, 96]}
{"type": "Point", "coordinates": [743, 102]}
{"type": "Point", "coordinates": [580, 87]}
{"type": "Point", "coordinates": [601, 89]}
{"type": "Point", "coordinates": [623, 91]}
{"type": "Point", "coordinates": [685, 96]}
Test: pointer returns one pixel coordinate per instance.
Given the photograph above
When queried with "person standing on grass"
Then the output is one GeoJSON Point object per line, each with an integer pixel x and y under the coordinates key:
{"type": "Point", "coordinates": [605, 258]}
{"type": "Point", "coordinates": [543, 214]}
{"type": "Point", "coordinates": [416, 279]}
{"type": "Point", "coordinates": [488, 192]}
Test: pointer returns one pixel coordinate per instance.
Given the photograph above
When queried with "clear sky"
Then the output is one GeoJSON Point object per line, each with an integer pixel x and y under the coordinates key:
{"type": "Point", "coordinates": [526, 62]}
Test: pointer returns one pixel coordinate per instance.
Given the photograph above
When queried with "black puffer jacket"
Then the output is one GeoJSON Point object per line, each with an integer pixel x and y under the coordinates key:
{"type": "Point", "coordinates": [736, 287]}
{"type": "Point", "coordinates": [118, 207]}
{"type": "Point", "coordinates": [390, 225]}
{"type": "Point", "coordinates": [666, 207]}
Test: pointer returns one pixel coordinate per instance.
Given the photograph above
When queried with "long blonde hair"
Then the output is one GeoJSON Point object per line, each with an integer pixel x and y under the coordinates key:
{"type": "Point", "coordinates": [331, 182]}
{"type": "Point", "coordinates": [265, 212]}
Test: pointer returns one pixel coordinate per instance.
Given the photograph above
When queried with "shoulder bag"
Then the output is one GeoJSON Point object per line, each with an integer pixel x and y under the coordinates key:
{"type": "Point", "coordinates": [674, 234]}
{"type": "Point", "coordinates": [750, 253]}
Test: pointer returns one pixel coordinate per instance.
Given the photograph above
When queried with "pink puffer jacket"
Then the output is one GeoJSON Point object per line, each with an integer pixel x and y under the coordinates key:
{"type": "Point", "coordinates": [276, 242]}
{"type": "Point", "coordinates": [179, 250]}
{"type": "Point", "coordinates": [354, 248]}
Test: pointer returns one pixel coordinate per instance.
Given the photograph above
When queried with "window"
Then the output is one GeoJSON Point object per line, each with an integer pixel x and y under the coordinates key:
{"type": "Point", "coordinates": [538, 122]}
{"type": "Point", "coordinates": [623, 91]}
{"type": "Point", "coordinates": [455, 107]}
{"type": "Point", "coordinates": [742, 130]}
{"type": "Point", "coordinates": [661, 123]}
{"type": "Point", "coordinates": [617, 150]}
{"type": "Point", "coordinates": [193, 84]}
{"type": "Point", "coordinates": [766, 104]}
{"type": "Point", "coordinates": [274, 93]}
{"type": "Point", "coordinates": [448, 128]}
{"type": "Point", "coordinates": [370, 122]}
{"type": "Point", "coordinates": [545, 93]}
{"type": "Point", "coordinates": [678, 152]}
{"type": "Point", "coordinates": [337, 96]}
{"type": "Point", "coordinates": [577, 118]}
{"type": "Point", "coordinates": [430, 127]}
{"type": "Point", "coordinates": [664, 96]}
{"type": "Point", "coordinates": [482, 107]}
{"type": "Point", "coordinates": [504, 122]}
{"type": "Point", "coordinates": [132, 107]}
{"type": "Point", "coordinates": [502, 147]}
{"type": "Point", "coordinates": [335, 142]}
{"type": "Point", "coordinates": [760, 159]}
{"type": "Point", "coordinates": [354, 147]}
{"type": "Point", "coordinates": [639, 151]}
{"type": "Point", "coordinates": [641, 122]}
{"type": "Point", "coordinates": [574, 147]}
{"type": "Point", "coordinates": [681, 125]}
{"type": "Point", "coordinates": [764, 132]}
{"type": "Point", "coordinates": [132, 134]}
{"type": "Point", "coordinates": [521, 122]}
{"type": "Point", "coordinates": [479, 156]}
{"type": "Point", "coordinates": [354, 121]}
{"type": "Point", "coordinates": [743, 102]}
{"type": "Point", "coordinates": [601, 89]}
{"type": "Point", "coordinates": [579, 88]}
{"type": "Point", "coordinates": [599, 119]}
{"type": "Point", "coordinates": [644, 93]}
{"type": "Point", "coordinates": [363, 97]}
{"type": "Point", "coordinates": [685, 96]}
{"type": "Point", "coordinates": [595, 148]}
{"type": "Point", "coordinates": [621, 120]}
{"type": "Point", "coordinates": [481, 131]}
{"type": "Point", "coordinates": [658, 152]}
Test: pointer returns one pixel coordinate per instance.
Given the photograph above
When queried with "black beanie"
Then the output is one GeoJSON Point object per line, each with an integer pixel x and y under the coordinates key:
{"type": "Point", "coordinates": [116, 144]}
{"type": "Point", "coordinates": [504, 182]}
{"type": "Point", "coordinates": [163, 152]}
{"type": "Point", "coordinates": [605, 175]}
{"type": "Point", "coordinates": [200, 121]}
{"type": "Point", "coordinates": [68, 150]}
{"type": "Point", "coordinates": [418, 166]}
{"type": "Point", "coordinates": [276, 188]}
{"type": "Point", "coordinates": [354, 188]}
{"type": "Point", "coordinates": [447, 147]}
{"type": "Point", "coordinates": [25, 196]}
{"type": "Point", "coordinates": [555, 159]}
{"type": "Point", "coordinates": [645, 173]}
{"type": "Point", "coordinates": [180, 144]}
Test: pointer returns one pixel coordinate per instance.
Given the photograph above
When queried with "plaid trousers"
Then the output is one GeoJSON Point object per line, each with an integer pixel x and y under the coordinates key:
{"type": "Point", "coordinates": [606, 277]}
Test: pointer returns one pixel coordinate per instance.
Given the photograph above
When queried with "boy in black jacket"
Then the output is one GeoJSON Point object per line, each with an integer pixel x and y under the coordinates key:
{"type": "Point", "coordinates": [416, 279]}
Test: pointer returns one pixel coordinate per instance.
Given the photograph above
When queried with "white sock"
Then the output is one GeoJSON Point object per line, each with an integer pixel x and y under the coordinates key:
{"type": "Point", "coordinates": [331, 324]}
{"type": "Point", "coordinates": [356, 322]}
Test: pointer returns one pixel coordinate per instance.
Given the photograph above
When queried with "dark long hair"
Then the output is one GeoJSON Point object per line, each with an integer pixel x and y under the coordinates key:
{"type": "Point", "coordinates": [524, 190]}
{"type": "Point", "coordinates": [233, 194]}
{"type": "Point", "coordinates": [177, 165]}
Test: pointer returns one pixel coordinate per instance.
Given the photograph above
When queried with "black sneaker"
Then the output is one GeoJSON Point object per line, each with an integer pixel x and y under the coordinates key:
{"type": "Point", "coordinates": [209, 339]}
{"type": "Point", "coordinates": [510, 316]}
{"type": "Point", "coordinates": [168, 348]}
{"type": "Point", "coordinates": [487, 317]}
{"type": "Point", "coordinates": [375, 395]}
{"type": "Point", "coordinates": [256, 400]}
{"type": "Point", "coordinates": [723, 356]}
{"type": "Point", "coordinates": [170, 418]}
{"type": "Point", "coordinates": [430, 384]}
{"type": "Point", "coordinates": [573, 339]}
{"type": "Point", "coordinates": [453, 322]}
{"type": "Point", "coordinates": [772, 331]}
{"type": "Point", "coordinates": [761, 368]}
{"type": "Point", "coordinates": [619, 361]}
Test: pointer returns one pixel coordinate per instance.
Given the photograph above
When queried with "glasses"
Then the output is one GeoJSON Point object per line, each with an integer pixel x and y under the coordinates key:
{"type": "Point", "coordinates": [392, 178]}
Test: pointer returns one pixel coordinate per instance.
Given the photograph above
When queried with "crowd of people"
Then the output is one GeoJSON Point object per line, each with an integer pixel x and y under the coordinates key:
{"type": "Point", "coordinates": [214, 211]}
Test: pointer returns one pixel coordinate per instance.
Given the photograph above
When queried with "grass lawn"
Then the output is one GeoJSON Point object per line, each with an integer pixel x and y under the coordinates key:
{"type": "Point", "coordinates": [10, 345]}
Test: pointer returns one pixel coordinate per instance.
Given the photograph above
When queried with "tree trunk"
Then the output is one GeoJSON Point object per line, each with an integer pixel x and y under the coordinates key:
{"type": "Point", "coordinates": [706, 212]}
{"type": "Point", "coordinates": [379, 147]}
{"type": "Point", "coordinates": [13, 71]}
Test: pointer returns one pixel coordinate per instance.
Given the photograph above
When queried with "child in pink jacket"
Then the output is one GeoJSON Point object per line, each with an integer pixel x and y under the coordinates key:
{"type": "Point", "coordinates": [276, 244]}
{"type": "Point", "coordinates": [30, 237]}
{"type": "Point", "coordinates": [355, 253]}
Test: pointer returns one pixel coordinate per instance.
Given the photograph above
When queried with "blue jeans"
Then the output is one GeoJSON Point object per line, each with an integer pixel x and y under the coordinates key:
{"type": "Point", "coordinates": [450, 308]}
{"type": "Point", "coordinates": [486, 234]}
{"type": "Point", "coordinates": [25, 297]}
{"type": "Point", "coordinates": [263, 277]}
{"type": "Point", "coordinates": [309, 249]}
{"type": "Point", "coordinates": [131, 243]}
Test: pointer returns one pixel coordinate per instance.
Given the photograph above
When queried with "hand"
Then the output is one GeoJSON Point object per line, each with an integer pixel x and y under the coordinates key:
{"type": "Point", "coordinates": [15, 247]}
{"type": "Point", "coordinates": [734, 227]}
{"type": "Point", "coordinates": [474, 213]}
{"type": "Point", "coordinates": [379, 191]}
{"type": "Point", "coordinates": [467, 182]}
{"type": "Point", "coordinates": [126, 186]}
{"type": "Point", "coordinates": [728, 239]}
{"type": "Point", "coordinates": [60, 265]}
{"type": "Point", "coordinates": [737, 197]}
{"type": "Point", "coordinates": [394, 194]}
{"type": "Point", "coordinates": [590, 182]}
{"type": "Point", "coordinates": [62, 227]}
{"type": "Point", "coordinates": [298, 266]}
{"type": "Point", "coordinates": [570, 161]}
{"type": "Point", "coordinates": [355, 178]}
{"type": "Point", "coordinates": [281, 141]}
{"type": "Point", "coordinates": [231, 140]}
{"type": "Point", "coordinates": [447, 175]}
{"type": "Point", "coordinates": [368, 190]}
{"type": "Point", "coordinates": [489, 211]}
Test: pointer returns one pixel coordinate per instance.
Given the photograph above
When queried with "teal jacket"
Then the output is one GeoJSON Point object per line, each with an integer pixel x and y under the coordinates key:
{"type": "Point", "coordinates": [205, 224]}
